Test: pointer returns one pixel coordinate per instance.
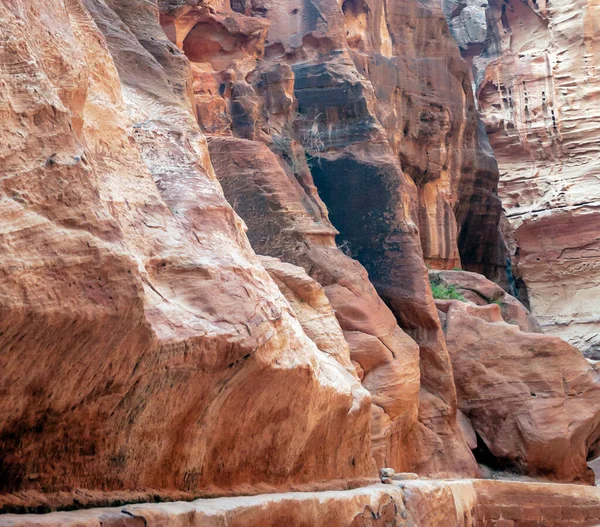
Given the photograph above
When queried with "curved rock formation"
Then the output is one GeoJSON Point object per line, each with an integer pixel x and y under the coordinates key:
{"type": "Point", "coordinates": [137, 324]}
{"type": "Point", "coordinates": [532, 399]}
{"type": "Point", "coordinates": [146, 351]}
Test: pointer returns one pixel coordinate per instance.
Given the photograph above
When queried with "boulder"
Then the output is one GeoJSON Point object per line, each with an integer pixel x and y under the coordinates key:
{"type": "Point", "coordinates": [532, 399]}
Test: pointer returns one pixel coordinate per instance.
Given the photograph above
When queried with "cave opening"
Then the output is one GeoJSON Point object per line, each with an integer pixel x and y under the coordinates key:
{"type": "Point", "coordinates": [484, 456]}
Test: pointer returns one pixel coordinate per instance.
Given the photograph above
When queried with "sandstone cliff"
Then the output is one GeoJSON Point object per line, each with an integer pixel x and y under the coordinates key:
{"type": "Point", "coordinates": [152, 149]}
{"type": "Point", "coordinates": [136, 321]}
{"type": "Point", "coordinates": [534, 70]}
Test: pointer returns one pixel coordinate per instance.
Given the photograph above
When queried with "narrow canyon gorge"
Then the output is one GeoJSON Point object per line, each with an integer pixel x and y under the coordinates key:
{"type": "Point", "coordinates": [299, 262]}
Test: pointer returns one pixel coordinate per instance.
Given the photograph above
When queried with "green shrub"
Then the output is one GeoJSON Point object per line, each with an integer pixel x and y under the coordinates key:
{"type": "Point", "coordinates": [446, 292]}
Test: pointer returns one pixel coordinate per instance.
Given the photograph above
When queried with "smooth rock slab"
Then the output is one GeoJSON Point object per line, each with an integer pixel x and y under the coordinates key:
{"type": "Point", "coordinates": [379, 505]}
{"type": "Point", "coordinates": [421, 503]}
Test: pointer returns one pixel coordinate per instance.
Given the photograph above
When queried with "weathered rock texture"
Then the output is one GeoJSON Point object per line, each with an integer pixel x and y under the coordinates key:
{"type": "Point", "coordinates": [386, 118]}
{"type": "Point", "coordinates": [271, 96]}
{"type": "Point", "coordinates": [532, 399]}
{"type": "Point", "coordinates": [143, 345]}
{"type": "Point", "coordinates": [145, 348]}
{"type": "Point", "coordinates": [535, 71]}
{"type": "Point", "coordinates": [467, 503]}
{"type": "Point", "coordinates": [282, 221]}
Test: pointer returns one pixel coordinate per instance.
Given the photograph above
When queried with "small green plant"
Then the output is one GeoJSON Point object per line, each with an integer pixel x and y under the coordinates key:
{"type": "Point", "coordinates": [442, 291]}
{"type": "Point", "coordinates": [498, 301]}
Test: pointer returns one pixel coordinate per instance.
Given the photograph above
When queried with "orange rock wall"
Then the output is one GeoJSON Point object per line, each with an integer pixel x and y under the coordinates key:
{"type": "Point", "coordinates": [138, 326]}
{"type": "Point", "coordinates": [147, 350]}
{"type": "Point", "coordinates": [274, 97]}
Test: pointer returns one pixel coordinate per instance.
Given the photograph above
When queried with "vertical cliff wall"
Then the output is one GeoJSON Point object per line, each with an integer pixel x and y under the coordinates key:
{"type": "Point", "coordinates": [143, 345]}
{"type": "Point", "coordinates": [285, 76]}
{"type": "Point", "coordinates": [358, 120]}
{"type": "Point", "coordinates": [424, 100]}
{"type": "Point", "coordinates": [535, 71]}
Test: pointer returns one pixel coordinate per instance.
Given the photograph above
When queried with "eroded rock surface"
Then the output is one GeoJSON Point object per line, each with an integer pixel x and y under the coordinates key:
{"type": "Point", "coordinates": [143, 345]}
{"type": "Point", "coordinates": [466, 503]}
{"type": "Point", "coordinates": [286, 222]}
{"type": "Point", "coordinates": [146, 349]}
{"type": "Point", "coordinates": [312, 88]}
{"type": "Point", "coordinates": [532, 399]}
{"type": "Point", "coordinates": [536, 79]}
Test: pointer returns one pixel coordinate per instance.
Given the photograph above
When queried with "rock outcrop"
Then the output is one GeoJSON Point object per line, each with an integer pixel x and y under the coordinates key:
{"type": "Point", "coordinates": [535, 73]}
{"type": "Point", "coordinates": [275, 101]}
{"type": "Point", "coordinates": [217, 219]}
{"type": "Point", "coordinates": [532, 399]}
{"type": "Point", "coordinates": [480, 291]}
{"type": "Point", "coordinates": [466, 503]}
{"type": "Point", "coordinates": [143, 345]}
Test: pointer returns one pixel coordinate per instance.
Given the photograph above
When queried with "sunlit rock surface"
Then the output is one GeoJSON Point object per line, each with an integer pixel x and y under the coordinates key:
{"type": "Point", "coordinates": [143, 345]}
{"type": "Point", "coordinates": [147, 352]}
{"type": "Point", "coordinates": [465, 503]}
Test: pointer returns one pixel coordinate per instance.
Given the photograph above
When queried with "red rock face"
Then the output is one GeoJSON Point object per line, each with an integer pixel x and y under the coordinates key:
{"type": "Point", "coordinates": [274, 192]}
{"type": "Point", "coordinates": [532, 399]}
{"type": "Point", "coordinates": [137, 324]}
{"type": "Point", "coordinates": [146, 349]}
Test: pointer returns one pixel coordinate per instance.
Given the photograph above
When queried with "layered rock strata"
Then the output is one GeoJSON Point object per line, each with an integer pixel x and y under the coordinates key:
{"type": "Point", "coordinates": [535, 71]}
